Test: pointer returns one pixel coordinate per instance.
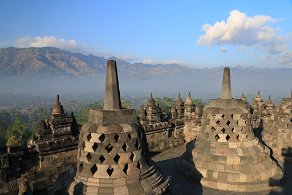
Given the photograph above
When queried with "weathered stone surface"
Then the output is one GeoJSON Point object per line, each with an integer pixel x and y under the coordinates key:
{"type": "Point", "coordinates": [51, 156]}
{"type": "Point", "coordinates": [226, 150]}
{"type": "Point", "coordinates": [226, 85]}
{"type": "Point", "coordinates": [112, 99]}
{"type": "Point", "coordinates": [278, 135]}
{"type": "Point", "coordinates": [111, 158]}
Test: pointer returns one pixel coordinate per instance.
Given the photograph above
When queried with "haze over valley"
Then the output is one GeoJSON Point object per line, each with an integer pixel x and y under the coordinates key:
{"type": "Point", "coordinates": [48, 71]}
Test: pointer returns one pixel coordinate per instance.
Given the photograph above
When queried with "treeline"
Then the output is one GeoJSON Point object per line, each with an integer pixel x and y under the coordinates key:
{"type": "Point", "coordinates": [17, 126]}
{"type": "Point", "coordinates": [13, 131]}
{"type": "Point", "coordinates": [165, 103]}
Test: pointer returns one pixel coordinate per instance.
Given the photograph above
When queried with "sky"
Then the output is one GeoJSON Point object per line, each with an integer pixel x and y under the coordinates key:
{"type": "Point", "coordinates": [201, 34]}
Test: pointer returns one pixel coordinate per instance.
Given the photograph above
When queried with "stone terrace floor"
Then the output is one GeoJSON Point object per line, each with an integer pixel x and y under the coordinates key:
{"type": "Point", "coordinates": [166, 162]}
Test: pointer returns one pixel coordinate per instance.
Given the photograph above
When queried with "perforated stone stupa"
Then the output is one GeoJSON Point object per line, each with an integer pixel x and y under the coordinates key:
{"type": "Point", "coordinates": [279, 136]}
{"type": "Point", "coordinates": [226, 154]}
{"type": "Point", "coordinates": [110, 154]}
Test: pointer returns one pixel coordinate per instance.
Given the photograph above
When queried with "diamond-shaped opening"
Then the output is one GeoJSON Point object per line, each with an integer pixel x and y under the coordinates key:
{"type": "Point", "coordinates": [94, 147]}
{"type": "Point", "coordinates": [137, 145]}
{"type": "Point", "coordinates": [217, 137]}
{"type": "Point", "coordinates": [88, 157]}
{"type": "Point", "coordinates": [231, 115]}
{"type": "Point", "coordinates": [125, 169]}
{"type": "Point", "coordinates": [93, 169]}
{"type": "Point", "coordinates": [223, 116]}
{"type": "Point", "coordinates": [81, 167]}
{"type": "Point", "coordinates": [138, 165]}
{"type": "Point", "coordinates": [89, 137]}
{"type": "Point", "coordinates": [218, 122]}
{"type": "Point", "coordinates": [110, 170]}
{"type": "Point", "coordinates": [129, 136]}
{"type": "Point", "coordinates": [232, 129]}
{"type": "Point", "coordinates": [237, 137]}
{"type": "Point", "coordinates": [101, 159]}
{"type": "Point", "coordinates": [116, 137]}
{"type": "Point", "coordinates": [227, 137]}
{"type": "Point", "coordinates": [124, 146]}
{"type": "Point", "coordinates": [223, 130]}
{"type": "Point", "coordinates": [109, 148]}
{"type": "Point", "coordinates": [213, 129]}
{"type": "Point", "coordinates": [228, 123]}
{"type": "Point", "coordinates": [117, 158]}
{"type": "Point", "coordinates": [101, 138]}
{"type": "Point", "coordinates": [132, 156]}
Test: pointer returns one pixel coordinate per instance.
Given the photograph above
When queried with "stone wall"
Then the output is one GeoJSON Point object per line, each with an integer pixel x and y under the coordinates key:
{"type": "Point", "coordinates": [23, 170]}
{"type": "Point", "coordinates": [163, 139]}
{"type": "Point", "coordinates": [191, 129]}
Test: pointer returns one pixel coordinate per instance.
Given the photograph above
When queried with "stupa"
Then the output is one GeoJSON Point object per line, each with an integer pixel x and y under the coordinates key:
{"type": "Point", "coordinates": [110, 158]}
{"type": "Point", "coordinates": [279, 136]}
{"type": "Point", "coordinates": [226, 155]}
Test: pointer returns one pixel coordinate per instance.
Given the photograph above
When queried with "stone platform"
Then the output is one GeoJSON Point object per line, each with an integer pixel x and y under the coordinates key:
{"type": "Point", "coordinates": [167, 160]}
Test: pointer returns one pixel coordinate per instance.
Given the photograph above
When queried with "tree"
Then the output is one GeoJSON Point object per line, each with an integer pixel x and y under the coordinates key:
{"type": "Point", "coordinates": [82, 116]}
{"type": "Point", "coordinates": [126, 103]}
{"type": "Point", "coordinates": [14, 134]}
{"type": "Point", "coordinates": [165, 103]}
{"type": "Point", "coordinates": [199, 102]}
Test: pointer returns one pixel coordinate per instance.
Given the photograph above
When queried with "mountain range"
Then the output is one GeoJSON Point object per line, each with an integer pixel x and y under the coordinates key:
{"type": "Point", "coordinates": [51, 69]}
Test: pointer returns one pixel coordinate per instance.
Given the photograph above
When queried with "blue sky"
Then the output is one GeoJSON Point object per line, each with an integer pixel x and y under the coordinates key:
{"type": "Point", "coordinates": [194, 33]}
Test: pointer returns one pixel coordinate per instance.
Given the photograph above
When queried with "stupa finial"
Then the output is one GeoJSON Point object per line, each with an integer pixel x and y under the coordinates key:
{"type": "Point", "coordinates": [226, 85]}
{"type": "Point", "coordinates": [112, 99]}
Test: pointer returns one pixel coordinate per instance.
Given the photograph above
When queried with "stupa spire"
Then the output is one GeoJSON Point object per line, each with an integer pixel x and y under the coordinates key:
{"type": "Point", "coordinates": [112, 99]}
{"type": "Point", "coordinates": [226, 85]}
{"type": "Point", "coordinates": [58, 108]}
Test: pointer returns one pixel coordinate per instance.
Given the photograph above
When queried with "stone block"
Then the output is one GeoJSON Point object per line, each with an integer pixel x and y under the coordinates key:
{"type": "Point", "coordinates": [221, 186]}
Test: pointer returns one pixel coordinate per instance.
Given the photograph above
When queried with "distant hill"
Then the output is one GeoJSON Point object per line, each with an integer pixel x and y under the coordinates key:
{"type": "Point", "coordinates": [51, 70]}
{"type": "Point", "coordinates": [54, 61]}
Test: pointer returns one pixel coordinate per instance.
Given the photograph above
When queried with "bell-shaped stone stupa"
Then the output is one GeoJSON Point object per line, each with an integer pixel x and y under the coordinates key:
{"type": "Point", "coordinates": [110, 154]}
{"type": "Point", "coordinates": [226, 154]}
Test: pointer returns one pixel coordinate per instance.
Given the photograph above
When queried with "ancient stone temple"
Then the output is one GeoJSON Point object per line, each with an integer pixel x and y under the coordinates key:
{"type": "Point", "coordinates": [57, 133]}
{"type": "Point", "coordinates": [258, 103]}
{"type": "Point", "coordinates": [42, 167]}
{"type": "Point", "coordinates": [226, 154]}
{"type": "Point", "coordinates": [279, 135]}
{"type": "Point", "coordinates": [153, 111]}
{"type": "Point", "coordinates": [179, 106]}
{"type": "Point", "coordinates": [162, 132]}
{"type": "Point", "coordinates": [192, 119]}
{"type": "Point", "coordinates": [267, 115]}
{"type": "Point", "coordinates": [110, 157]}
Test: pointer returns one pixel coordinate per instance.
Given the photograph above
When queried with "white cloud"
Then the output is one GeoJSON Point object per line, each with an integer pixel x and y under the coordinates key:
{"type": "Point", "coordinates": [163, 62]}
{"type": "Point", "coordinates": [48, 41]}
{"type": "Point", "coordinates": [243, 30]}
{"type": "Point", "coordinates": [286, 59]}
{"type": "Point", "coordinates": [223, 49]}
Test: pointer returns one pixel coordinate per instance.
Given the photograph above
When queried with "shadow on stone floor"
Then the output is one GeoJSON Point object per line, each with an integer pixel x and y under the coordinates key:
{"type": "Point", "coordinates": [152, 154]}
{"type": "Point", "coordinates": [286, 185]}
{"type": "Point", "coordinates": [181, 182]}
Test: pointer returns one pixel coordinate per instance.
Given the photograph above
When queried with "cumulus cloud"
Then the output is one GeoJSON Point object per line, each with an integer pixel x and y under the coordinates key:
{"type": "Point", "coordinates": [286, 58]}
{"type": "Point", "coordinates": [163, 62]}
{"type": "Point", "coordinates": [223, 49]}
{"type": "Point", "coordinates": [240, 29]}
{"type": "Point", "coordinates": [47, 41]}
